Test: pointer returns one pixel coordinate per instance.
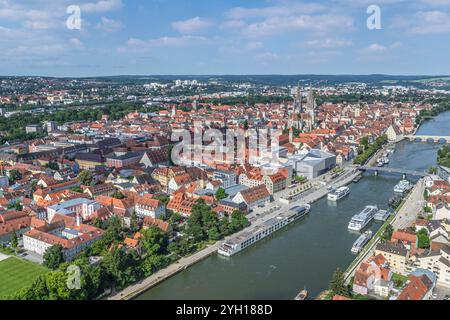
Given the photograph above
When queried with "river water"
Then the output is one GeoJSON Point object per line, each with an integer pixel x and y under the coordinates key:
{"type": "Point", "coordinates": [306, 253]}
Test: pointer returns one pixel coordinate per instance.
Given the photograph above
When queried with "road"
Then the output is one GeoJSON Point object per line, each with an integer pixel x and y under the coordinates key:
{"type": "Point", "coordinates": [411, 208]}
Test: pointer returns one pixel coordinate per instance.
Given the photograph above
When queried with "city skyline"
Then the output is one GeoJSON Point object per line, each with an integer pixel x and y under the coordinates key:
{"type": "Point", "coordinates": [120, 37]}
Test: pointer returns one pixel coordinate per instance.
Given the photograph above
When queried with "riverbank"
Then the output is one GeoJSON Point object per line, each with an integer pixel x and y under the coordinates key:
{"type": "Point", "coordinates": [404, 216]}
{"type": "Point", "coordinates": [164, 274]}
{"type": "Point", "coordinates": [184, 263]}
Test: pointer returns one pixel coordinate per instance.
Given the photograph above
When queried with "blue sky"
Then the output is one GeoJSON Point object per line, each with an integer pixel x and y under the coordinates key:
{"type": "Point", "coordinates": [223, 37]}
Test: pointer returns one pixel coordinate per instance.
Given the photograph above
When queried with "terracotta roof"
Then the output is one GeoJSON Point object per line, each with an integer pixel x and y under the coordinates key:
{"type": "Point", "coordinates": [254, 194]}
{"type": "Point", "coordinates": [416, 289]}
{"type": "Point", "coordinates": [404, 236]}
{"type": "Point", "coordinates": [44, 233]}
{"type": "Point", "coordinates": [152, 222]}
{"type": "Point", "coordinates": [13, 221]}
{"type": "Point", "coordinates": [147, 201]}
{"type": "Point", "coordinates": [131, 243]}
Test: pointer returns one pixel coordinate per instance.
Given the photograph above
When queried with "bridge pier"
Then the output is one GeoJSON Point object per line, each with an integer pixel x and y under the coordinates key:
{"type": "Point", "coordinates": [376, 173]}
{"type": "Point", "coordinates": [404, 176]}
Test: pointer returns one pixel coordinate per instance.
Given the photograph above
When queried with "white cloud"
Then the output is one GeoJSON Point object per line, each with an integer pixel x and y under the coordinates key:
{"type": "Point", "coordinates": [138, 45]}
{"type": "Point", "coordinates": [101, 6]}
{"type": "Point", "coordinates": [192, 26]}
{"type": "Point", "coordinates": [328, 43]}
{"type": "Point", "coordinates": [76, 43]}
{"type": "Point", "coordinates": [377, 51]}
{"type": "Point", "coordinates": [109, 25]}
{"type": "Point", "coordinates": [429, 22]}
{"type": "Point", "coordinates": [239, 13]}
{"type": "Point", "coordinates": [233, 24]}
{"type": "Point", "coordinates": [375, 48]}
{"type": "Point", "coordinates": [267, 56]}
{"type": "Point", "coordinates": [321, 23]}
{"type": "Point", "coordinates": [436, 2]}
{"type": "Point", "coordinates": [255, 45]}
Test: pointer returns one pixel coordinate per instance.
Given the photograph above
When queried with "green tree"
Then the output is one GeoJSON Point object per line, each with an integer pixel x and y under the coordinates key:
{"type": "Point", "coordinates": [134, 222]}
{"type": "Point", "coordinates": [433, 170]}
{"type": "Point", "coordinates": [365, 141]}
{"type": "Point", "coordinates": [14, 240]}
{"type": "Point", "coordinates": [14, 175]}
{"type": "Point", "coordinates": [77, 189]}
{"type": "Point", "coordinates": [423, 239]}
{"type": "Point", "coordinates": [53, 257]}
{"type": "Point", "coordinates": [114, 231]}
{"type": "Point", "coordinates": [57, 288]}
{"type": "Point", "coordinates": [214, 233]}
{"type": "Point", "coordinates": [120, 268]}
{"type": "Point", "coordinates": [427, 210]}
{"type": "Point", "coordinates": [52, 165]}
{"type": "Point", "coordinates": [163, 198]}
{"type": "Point", "coordinates": [175, 218]}
{"type": "Point", "coordinates": [300, 179]}
{"type": "Point", "coordinates": [387, 234]}
{"type": "Point", "coordinates": [152, 264]}
{"type": "Point", "coordinates": [246, 126]}
{"type": "Point", "coordinates": [118, 195]}
{"type": "Point", "coordinates": [85, 177]}
{"type": "Point", "coordinates": [337, 284]}
{"type": "Point", "coordinates": [221, 194]}
{"type": "Point", "coordinates": [154, 241]}
{"type": "Point", "coordinates": [238, 222]}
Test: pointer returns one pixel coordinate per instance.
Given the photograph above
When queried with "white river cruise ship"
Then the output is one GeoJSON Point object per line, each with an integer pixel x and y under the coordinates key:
{"type": "Point", "coordinates": [338, 194]}
{"type": "Point", "coordinates": [238, 243]}
{"type": "Point", "coordinates": [361, 220]}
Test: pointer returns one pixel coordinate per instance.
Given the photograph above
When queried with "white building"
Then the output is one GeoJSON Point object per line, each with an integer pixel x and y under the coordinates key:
{"type": "Point", "coordinates": [437, 262]}
{"type": "Point", "coordinates": [147, 207]}
{"type": "Point", "coordinates": [82, 206]}
{"type": "Point", "coordinates": [253, 197]}
{"type": "Point", "coordinates": [228, 178]}
{"type": "Point", "coordinates": [68, 232]}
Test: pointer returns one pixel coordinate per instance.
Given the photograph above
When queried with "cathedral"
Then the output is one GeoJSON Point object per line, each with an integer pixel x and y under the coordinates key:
{"type": "Point", "coordinates": [303, 118]}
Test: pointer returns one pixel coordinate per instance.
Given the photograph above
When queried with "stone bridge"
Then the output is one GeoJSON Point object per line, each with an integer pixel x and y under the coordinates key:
{"type": "Point", "coordinates": [435, 139]}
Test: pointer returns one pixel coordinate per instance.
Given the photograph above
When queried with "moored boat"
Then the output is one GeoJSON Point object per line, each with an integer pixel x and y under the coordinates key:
{"type": "Point", "coordinates": [362, 219]}
{"type": "Point", "coordinates": [338, 194]}
{"type": "Point", "coordinates": [402, 186]}
{"type": "Point", "coordinates": [361, 241]}
{"type": "Point", "coordinates": [302, 295]}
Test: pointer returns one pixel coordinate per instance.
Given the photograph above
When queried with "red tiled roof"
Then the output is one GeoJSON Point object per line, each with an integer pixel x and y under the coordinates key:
{"type": "Point", "coordinates": [416, 289]}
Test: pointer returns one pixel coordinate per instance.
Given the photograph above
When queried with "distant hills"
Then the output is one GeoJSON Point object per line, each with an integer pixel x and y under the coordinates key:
{"type": "Point", "coordinates": [273, 79]}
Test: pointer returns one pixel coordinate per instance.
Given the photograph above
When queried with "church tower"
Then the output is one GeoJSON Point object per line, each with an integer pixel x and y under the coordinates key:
{"type": "Point", "coordinates": [311, 106]}
{"type": "Point", "coordinates": [298, 100]}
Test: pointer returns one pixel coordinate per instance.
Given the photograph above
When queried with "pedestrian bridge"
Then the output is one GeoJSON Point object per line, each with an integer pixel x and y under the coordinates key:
{"type": "Point", "coordinates": [404, 172]}
{"type": "Point", "coordinates": [435, 139]}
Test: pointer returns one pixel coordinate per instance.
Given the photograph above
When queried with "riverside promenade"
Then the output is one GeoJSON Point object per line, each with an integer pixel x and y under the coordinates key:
{"type": "Point", "coordinates": [176, 267]}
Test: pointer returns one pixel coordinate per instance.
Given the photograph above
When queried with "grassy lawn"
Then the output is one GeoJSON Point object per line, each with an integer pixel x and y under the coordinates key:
{"type": "Point", "coordinates": [16, 274]}
{"type": "Point", "coordinates": [399, 280]}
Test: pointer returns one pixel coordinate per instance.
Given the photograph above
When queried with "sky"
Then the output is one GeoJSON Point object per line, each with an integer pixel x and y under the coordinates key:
{"type": "Point", "coordinates": [197, 37]}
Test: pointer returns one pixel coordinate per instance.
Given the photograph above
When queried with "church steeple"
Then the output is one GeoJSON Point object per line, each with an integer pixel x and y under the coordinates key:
{"type": "Point", "coordinates": [298, 99]}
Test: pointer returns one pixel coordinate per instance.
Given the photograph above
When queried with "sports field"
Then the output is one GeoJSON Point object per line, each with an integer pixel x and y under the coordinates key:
{"type": "Point", "coordinates": [16, 274]}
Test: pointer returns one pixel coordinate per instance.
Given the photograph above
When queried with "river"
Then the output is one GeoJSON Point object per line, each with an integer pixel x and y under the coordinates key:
{"type": "Point", "coordinates": [306, 253]}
